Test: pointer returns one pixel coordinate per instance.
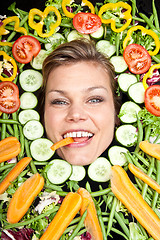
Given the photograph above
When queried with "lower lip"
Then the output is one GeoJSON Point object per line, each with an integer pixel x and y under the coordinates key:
{"type": "Point", "coordinates": [80, 144]}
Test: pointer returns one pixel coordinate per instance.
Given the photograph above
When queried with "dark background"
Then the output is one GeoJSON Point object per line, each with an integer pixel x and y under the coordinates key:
{"type": "Point", "coordinates": [144, 6]}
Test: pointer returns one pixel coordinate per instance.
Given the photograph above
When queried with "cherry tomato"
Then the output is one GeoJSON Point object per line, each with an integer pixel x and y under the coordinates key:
{"type": "Point", "coordinates": [9, 97]}
{"type": "Point", "coordinates": [137, 58]}
{"type": "Point", "coordinates": [86, 23]}
{"type": "Point", "coordinates": [25, 47]}
{"type": "Point", "coordinates": [152, 99]}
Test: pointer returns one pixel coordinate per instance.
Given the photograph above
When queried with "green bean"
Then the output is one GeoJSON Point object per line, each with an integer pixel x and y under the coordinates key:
{"type": "Point", "coordinates": [21, 154]}
{"type": "Point", "coordinates": [142, 230]}
{"type": "Point", "coordinates": [9, 165]}
{"type": "Point", "coordinates": [42, 40]}
{"type": "Point", "coordinates": [147, 20]}
{"type": "Point", "coordinates": [156, 20]}
{"type": "Point", "coordinates": [133, 11]}
{"type": "Point", "coordinates": [147, 132]}
{"type": "Point", "coordinates": [10, 129]}
{"type": "Point", "coordinates": [103, 229]}
{"type": "Point", "coordinates": [21, 224]}
{"type": "Point", "coordinates": [117, 43]}
{"type": "Point", "coordinates": [140, 134]}
{"type": "Point", "coordinates": [138, 19]}
{"type": "Point", "coordinates": [3, 131]}
{"type": "Point", "coordinates": [144, 161]}
{"type": "Point", "coordinates": [15, 127]}
{"type": "Point", "coordinates": [120, 233]}
{"type": "Point", "coordinates": [156, 58]}
{"type": "Point", "coordinates": [78, 227]}
{"type": "Point", "coordinates": [111, 215]}
{"type": "Point", "coordinates": [149, 173]}
{"type": "Point", "coordinates": [122, 224]}
{"type": "Point", "coordinates": [26, 144]}
{"type": "Point", "coordinates": [40, 163]}
{"type": "Point", "coordinates": [9, 121]}
{"type": "Point", "coordinates": [53, 187]}
{"type": "Point", "coordinates": [100, 192]}
{"type": "Point", "coordinates": [156, 194]}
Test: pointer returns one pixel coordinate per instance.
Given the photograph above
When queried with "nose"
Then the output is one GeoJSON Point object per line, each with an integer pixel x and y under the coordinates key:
{"type": "Point", "coordinates": [76, 113]}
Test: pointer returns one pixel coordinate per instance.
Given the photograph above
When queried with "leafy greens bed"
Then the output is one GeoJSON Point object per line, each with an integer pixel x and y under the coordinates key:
{"type": "Point", "coordinates": [31, 198]}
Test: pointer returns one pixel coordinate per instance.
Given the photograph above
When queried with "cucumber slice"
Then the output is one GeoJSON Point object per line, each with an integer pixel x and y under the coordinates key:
{"type": "Point", "coordinates": [37, 61]}
{"type": "Point", "coordinates": [74, 34]}
{"type": "Point", "coordinates": [53, 41]}
{"type": "Point", "coordinates": [58, 171]}
{"type": "Point", "coordinates": [119, 64]}
{"type": "Point", "coordinates": [100, 170]}
{"type": "Point", "coordinates": [128, 112]}
{"type": "Point", "coordinates": [33, 129]}
{"type": "Point", "coordinates": [28, 100]}
{"type": "Point", "coordinates": [27, 115]}
{"type": "Point", "coordinates": [106, 48]}
{"type": "Point", "coordinates": [126, 135]}
{"type": "Point", "coordinates": [41, 149]}
{"type": "Point", "coordinates": [125, 80]}
{"type": "Point", "coordinates": [30, 80]}
{"type": "Point", "coordinates": [136, 92]}
{"type": "Point", "coordinates": [78, 173]}
{"type": "Point", "coordinates": [98, 34]}
{"type": "Point", "coordinates": [116, 155]}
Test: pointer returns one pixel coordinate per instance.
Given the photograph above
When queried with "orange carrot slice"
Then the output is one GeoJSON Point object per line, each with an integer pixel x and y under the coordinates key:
{"type": "Point", "coordinates": [9, 148]}
{"type": "Point", "coordinates": [67, 211]}
{"type": "Point", "coordinates": [62, 143]}
{"type": "Point", "coordinates": [23, 198]}
{"type": "Point", "coordinates": [91, 221]}
{"type": "Point", "coordinates": [13, 174]}
{"type": "Point", "coordinates": [125, 191]}
{"type": "Point", "coordinates": [144, 177]}
{"type": "Point", "coordinates": [153, 149]}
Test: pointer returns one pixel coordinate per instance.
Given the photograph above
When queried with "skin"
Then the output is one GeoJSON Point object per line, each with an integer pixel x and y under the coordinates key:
{"type": "Point", "coordinates": [79, 98]}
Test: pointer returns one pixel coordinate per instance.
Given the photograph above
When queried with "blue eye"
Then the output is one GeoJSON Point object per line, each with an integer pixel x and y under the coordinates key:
{"type": "Point", "coordinates": [95, 100]}
{"type": "Point", "coordinates": [58, 102]}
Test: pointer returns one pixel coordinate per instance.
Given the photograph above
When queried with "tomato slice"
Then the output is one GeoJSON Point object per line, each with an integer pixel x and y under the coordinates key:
{"type": "Point", "coordinates": [86, 23]}
{"type": "Point", "coordinates": [9, 97]}
{"type": "Point", "coordinates": [137, 58]}
{"type": "Point", "coordinates": [25, 47]}
{"type": "Point", "coordinates": [152, 99]}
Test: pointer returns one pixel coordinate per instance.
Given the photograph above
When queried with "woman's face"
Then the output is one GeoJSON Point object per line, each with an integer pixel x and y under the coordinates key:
{"type": "Point", "coordinates": [79, 104]}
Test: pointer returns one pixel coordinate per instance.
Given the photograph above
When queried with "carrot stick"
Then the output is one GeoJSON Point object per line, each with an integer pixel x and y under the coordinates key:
{"type": "Point", "coordinates": [144, 177]}
{"type": "Point", "coordinates": [9, 148]}
{"type": "Point", "coordinates": [91, 221]}
{"type": "Point", "coordinates": [153, 149]}
{"type": "Point", "coordinates": [126, 192]}
{"type": "Point", "coordinates": [62, 143]}
{"type": "Point", "coordinates": [13, 174]}
{"type": "Point", "coordinates": [23, 198]}
{"type": "Point", "coordinates": [67, 211]}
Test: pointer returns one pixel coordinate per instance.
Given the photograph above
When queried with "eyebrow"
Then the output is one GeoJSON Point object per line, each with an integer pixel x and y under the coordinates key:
{"type": "Point", "coordinates": [90, 89]}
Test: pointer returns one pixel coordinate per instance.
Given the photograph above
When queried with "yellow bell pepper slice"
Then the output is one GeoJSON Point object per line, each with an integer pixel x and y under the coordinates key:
{"type": "Point", "coordinates": [6, 44]}
{"type": "Point", "coordinates": [39, 26]}
{"type": "Point", "coordinates": [70, 14]}
{"type": "Point", "coordinates": [149, 74]}
{"type": "Point", "coordinates": [144, 31]}
{"type": "Point", "coordinates": [17, 28]}
{"type": "Point", "coordinates": [8, 59]}
{"type": "Point", "coordinates": [125, 15]}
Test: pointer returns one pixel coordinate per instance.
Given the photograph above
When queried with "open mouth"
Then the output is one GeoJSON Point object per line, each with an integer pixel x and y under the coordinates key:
{"type": "Point", "coordinates": [79, 136]}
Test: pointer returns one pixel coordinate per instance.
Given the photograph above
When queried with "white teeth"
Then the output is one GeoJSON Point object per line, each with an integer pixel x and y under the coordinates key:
{"type": "Point", "coordinates": [78, 134]}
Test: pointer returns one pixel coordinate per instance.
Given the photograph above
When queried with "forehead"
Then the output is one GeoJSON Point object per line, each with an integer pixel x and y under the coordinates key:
{"type": "Point", "coordinates": [80, 73]}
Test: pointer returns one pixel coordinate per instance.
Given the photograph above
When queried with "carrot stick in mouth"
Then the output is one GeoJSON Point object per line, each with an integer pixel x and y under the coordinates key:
{"type": "Point", "coordinates": [62, 143]}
